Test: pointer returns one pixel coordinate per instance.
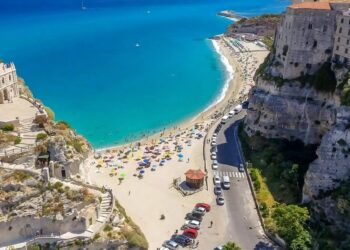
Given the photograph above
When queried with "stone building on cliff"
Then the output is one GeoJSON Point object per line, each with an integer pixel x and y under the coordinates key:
{"type": "Point", "coordinates": [8, 82]}
{"type": "Point", "coordinates": [310, 34]}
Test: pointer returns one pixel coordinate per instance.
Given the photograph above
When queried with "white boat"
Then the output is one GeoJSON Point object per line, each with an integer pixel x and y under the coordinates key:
{"type": "Point", "coordinates": [82, 5]}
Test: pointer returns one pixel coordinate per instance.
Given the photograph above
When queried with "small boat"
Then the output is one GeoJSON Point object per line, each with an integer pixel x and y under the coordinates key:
{"type": "Point", "coordinates": [137, 45]}
{"type": "Point", "coordinates": [82, 5]}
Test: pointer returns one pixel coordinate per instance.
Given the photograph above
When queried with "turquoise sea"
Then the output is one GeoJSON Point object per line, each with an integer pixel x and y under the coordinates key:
{"type": "Point", "coordinates": [120, 68]}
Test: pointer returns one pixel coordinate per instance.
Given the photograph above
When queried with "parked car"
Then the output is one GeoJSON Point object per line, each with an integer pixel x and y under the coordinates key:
{"type": "Point", "coordinates": [214, 149]}
{"type": "Point", "coordinates": [217, 190]}
{"type": "Point", "coordinates": [231, 113]}
{"type": "Point", "coordinates": [164, 248]}
{"type": "Point", "coordinates": [238, 109]}
{"type": "Point", "coordinates": [224, 119]}
{"type": "Point", "coordinates": [216, 180]}
{"type": "Point", "coordinates": [171, 245]}
{"type": "Point", "coordinates": [220, 200]}
{"type": "Point", "coordinates": [194, 216]}
{"type": "Point", "coordinates": [215, 135]}
{"type": "Point", "coordinates": [192, 233]}
{"type": "Point", "coordinates": [194, 224]}
{"type": "Point", "coordinates": [182, 240]}
{"type": "Point", "coordinates": [199, 210]}
{"type": "Point", "coordinates": [213, 156]}
{"type": "Point", "coordinates": [219, 248]}
{"type": "Point", "coordinates": [214, 165]}
{"type": "Point", "coordinates": [205, 205]}
{"type": "Point", "coordinates": [241, 168]}
{"type": "Point", "coordinates": [226, 182]}
{"type": "Point", "coordinates": [213, 142]}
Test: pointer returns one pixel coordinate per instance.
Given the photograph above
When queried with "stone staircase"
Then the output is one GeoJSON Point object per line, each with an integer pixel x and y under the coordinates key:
{"type": "Point", "coordinates": [105, 208]}
{"type": "Point", "coordinates": [105, 211]}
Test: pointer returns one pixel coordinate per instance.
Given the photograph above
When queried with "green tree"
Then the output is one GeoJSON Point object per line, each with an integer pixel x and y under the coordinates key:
{"type": "Point", "coordinates": [231, 246]}
{"type": "Point", "coordinates": [291, 225]}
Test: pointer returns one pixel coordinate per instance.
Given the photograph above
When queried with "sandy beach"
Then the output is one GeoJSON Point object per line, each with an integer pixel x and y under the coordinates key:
{"type": "Point", "coordinates": [170, 154]}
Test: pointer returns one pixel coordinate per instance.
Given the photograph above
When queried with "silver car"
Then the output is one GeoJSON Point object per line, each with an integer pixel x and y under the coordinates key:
{"type": "Point", "coordinates": [220, 200]}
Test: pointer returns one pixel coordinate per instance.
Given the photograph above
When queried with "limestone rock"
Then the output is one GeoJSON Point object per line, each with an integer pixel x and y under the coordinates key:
{"type": "Point", "coordinates": [333, 163]}
{"type": "Point", "coordinates": [291, 111]}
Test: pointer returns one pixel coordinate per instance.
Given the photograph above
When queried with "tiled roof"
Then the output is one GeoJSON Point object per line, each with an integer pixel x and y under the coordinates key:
{"type": "Point", "coordinates": [312, 5]}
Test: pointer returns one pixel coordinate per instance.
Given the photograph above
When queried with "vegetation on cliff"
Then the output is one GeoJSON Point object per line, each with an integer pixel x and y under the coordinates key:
{"type": "Point", "coordinates": [277, 170]}
{"type": "Point", "coordinates": [264, 25]}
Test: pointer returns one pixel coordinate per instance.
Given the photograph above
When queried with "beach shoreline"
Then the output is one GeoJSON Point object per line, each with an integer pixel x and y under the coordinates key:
{"type": "Point", "coordinates": [226, 97]}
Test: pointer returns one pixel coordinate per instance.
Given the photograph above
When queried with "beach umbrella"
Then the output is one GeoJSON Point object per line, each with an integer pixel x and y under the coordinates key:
{"type": "Point", "coordinates": [142, 171]}
{"type": "Point", "coordinates": [180, 155]}
{"type": "Point", "coordinates": [122, 175]}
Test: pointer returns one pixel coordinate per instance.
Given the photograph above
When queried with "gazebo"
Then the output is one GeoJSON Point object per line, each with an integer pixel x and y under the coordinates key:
{"type": "Point", "coordinates": [195, 178]}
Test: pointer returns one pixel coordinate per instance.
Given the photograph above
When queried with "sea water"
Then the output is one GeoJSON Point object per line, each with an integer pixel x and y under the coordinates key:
{"type": "Point", "coordinates": [116, 69]}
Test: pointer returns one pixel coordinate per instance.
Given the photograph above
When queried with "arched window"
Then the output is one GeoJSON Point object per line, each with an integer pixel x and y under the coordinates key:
{"type": "Point", "coordinates": [3, 80]}
{"type": "Point", "coordinates": [10, 77]}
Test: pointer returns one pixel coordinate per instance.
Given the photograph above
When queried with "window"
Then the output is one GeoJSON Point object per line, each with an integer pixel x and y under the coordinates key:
{"type": "Point", "coordinates": [3, 80]}
{"type": "Point", "coordinates": [340, 30]}
{"type": "Point", "coordinates": [342, 20]}
{"type": "Point", "coordinates": [310, 26]}
{"type": "Point", "coordinates": [337, 48]}
{"type": "Point", "coordinates": [338, 39]}
{"type": "Point", "coordinates": [347, 42]}
{"type": "Point", "coordinates": [315, 44]}
{"type": "Point", "coordinates": [346, 51]}
{"type": "Point", "coordinates": [324, 28]}
{"type": "Point", "coordinates": [348, 32]}
{"type": "Point", "coordinates": [10, 77]}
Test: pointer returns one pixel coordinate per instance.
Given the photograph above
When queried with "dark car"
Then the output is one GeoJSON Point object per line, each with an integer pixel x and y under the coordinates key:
{"type": "Point", "coordinates": [182, 240]}
{"type": "Point", "coordinates": [194, 216]}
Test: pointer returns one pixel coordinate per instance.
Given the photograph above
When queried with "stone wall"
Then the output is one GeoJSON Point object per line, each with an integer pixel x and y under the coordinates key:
{"type": "Point", "coordinates": [24, 228]}
{"type": "Point", "coordinates": [303, 41]}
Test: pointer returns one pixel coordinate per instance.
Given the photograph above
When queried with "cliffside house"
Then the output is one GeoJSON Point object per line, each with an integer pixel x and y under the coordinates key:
{"type": "Point", "coordinates": [310, 34]}
{"type": "Point", "coordinates": [8, 82]}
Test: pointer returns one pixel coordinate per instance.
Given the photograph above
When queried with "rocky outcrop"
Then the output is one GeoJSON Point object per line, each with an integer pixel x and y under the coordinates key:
{"type": "Point", "coordinates": [333, 163]}
{"type": "Point", "coordinates": [291, 111]}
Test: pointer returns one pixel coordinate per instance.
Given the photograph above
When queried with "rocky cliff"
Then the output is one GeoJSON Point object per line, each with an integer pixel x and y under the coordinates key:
{"type": "Point", "coordinates": [309, 110]}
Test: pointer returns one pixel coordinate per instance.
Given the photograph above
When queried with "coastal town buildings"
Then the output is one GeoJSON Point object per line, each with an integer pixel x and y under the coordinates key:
{"type": "Point", "coordinates": [310, 34]}
{"type": "Point", "coordinates": [8, 82]}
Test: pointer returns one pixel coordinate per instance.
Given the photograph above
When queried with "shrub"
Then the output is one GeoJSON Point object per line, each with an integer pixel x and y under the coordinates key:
{"type": "Point", "coordinates": [62, 125]}
{"type": "Point", "coordinates": [231, 246]}
{"type": "Point", "coordinates": [108, 228]}
{"type": "Point", "coordinates": [41, 136]}
{"type": "Point", "coordinates": [342, 142]}
{"type": "Point", "coordinates": [50, 113]}
{"type": "Point", "coordinates": [18, 140]}
{"type": "Point", "coordinates": [8, 127]}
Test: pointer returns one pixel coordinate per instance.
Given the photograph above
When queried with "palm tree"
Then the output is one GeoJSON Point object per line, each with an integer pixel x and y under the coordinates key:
{"type": "Point", "coordinates": [231, 246]}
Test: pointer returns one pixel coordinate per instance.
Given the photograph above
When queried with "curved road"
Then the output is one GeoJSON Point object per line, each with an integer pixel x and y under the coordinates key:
{"type": "Point", "coordinates": [244, 226]}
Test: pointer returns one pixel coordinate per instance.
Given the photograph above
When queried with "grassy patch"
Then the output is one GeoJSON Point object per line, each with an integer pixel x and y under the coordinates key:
{"type": "Point", "coordinates": [41, 136]}
{"type": "Point", "coordinates": [8, 127]}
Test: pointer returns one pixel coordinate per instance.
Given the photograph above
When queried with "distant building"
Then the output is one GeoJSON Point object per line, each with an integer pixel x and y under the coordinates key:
{"type": "Point", "coordinates": [8, 82]}
{"type": "Point", "coordinates": [341, 50]}
{"type": "Point", "coordinates": [308, 37]}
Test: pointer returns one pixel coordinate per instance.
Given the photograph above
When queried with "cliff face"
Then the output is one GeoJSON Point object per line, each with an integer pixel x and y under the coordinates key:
{"type": "Point", "coordinates": [333, 163]}
{"type": "Point", "coordinates": [308, 109]}
{"type": "Point", "coordinates": [292, 111]}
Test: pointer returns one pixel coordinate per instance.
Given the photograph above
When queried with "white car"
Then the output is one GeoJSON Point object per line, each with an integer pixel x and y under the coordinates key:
{"type": "Point", "coordinates": [220, 200]}
{"type": "Point", "coordinates": [215, 135]}
{"type": "Point", "coordinates": [171, 245]}
{"type": "Point", "coordinates": [231, 113]}
{"type": "Point", "coordinates": [241, 168]}
{"type": "Point", "coordinates": [194, 224]}
{"type": "Point", "coordinates": [216, 180]}
{"type": "Point", "coordinates": [213, 142]}
{"type": "Point", "coordinates": [214, 165]}
{"type": "Point", "coordinates": [213, 156]}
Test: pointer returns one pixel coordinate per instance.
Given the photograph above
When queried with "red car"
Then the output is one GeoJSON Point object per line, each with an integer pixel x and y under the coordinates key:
{"type": "Point", "coordinates": [204, 205]}
{"type": "Point", "coordinates": [192, 233]}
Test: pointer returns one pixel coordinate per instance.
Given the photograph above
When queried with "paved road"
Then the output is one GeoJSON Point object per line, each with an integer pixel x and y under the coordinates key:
{"type": "Point", "coordinates": [244, 226]}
